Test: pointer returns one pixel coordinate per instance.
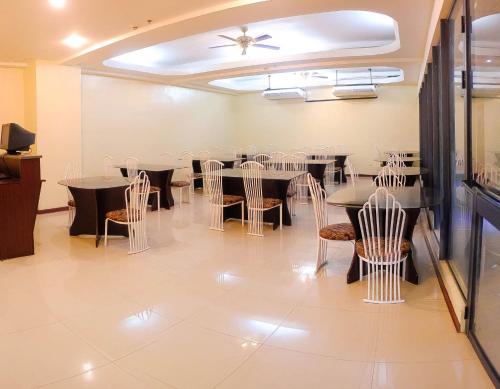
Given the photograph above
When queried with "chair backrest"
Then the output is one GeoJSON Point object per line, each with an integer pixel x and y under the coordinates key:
{"type": "Point", "coordinates": [389, 178]}
{"type": "Point", "coordinates": [72, 172]}
{"type": "Point", "coordinates": [318, 195]}
{"type": "Point", "coordinates": [301, 161]}
{"type": "Point", "coordinates": [262, 158]}
{"type": "Point", "coordinates": [108, 165]}
{"type": "Point", "coordinates": [213, 180]}
{"type": "Point", "coordinates": [132, 170]}
{"type": "Point", "coordinates": [352, 171]}
{"type": "Point", "coordinates": [321, 152]}
{"type": "Point", "coordinates": [396, 162]}
{"type": "Point", "coordinates": [136, 198]}
{"type": "Point", "coordinates": [290, 163]}
{"type": "Point", "coordinates": [252, 180]}
{"type": "Point", "coordinates": [277, 159]}
{"type": "Point", "coordinates": [382, 222]}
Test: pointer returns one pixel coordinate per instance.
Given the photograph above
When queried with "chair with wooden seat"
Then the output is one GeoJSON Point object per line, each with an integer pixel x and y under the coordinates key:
{"type": "Point", "coordinates": [382, 247]}
{"type": "Point", "coordinates": [216, 198]}
{"type": "Point", "coordinates": [72, 172]}
{"type": "Point", "coordinates": [277, 160]}
{"type": "Point", "coordinates": [326, 232]}
{"type": "Point", "coordinates": [132, 172]}
{"type": "Point", "coordinates": [133, 215]}
{"type": "Point", "coordinates": [389, 178]}
{"type": "Point", "coordinates": [290, 164]}
{"type": "Point", "coordinates": [262, 158]}
{"type": "Point", "coordinates": [256, 203]}
{"type": "Point", "coordinates": [184, 178]}
{"type": "Point", "coordinates": [301, 182]}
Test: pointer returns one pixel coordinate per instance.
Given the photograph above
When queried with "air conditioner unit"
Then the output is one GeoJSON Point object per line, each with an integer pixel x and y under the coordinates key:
{"type": "Point", "coordinates": [354, 91]}
{"type": "Point", "coordinates": [285, 93]}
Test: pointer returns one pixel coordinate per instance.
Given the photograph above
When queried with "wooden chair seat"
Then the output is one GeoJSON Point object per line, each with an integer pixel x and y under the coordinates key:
{"type": "Point", "coordinates": [232, 199]}
{"type": "Point", "coordinates": [269, 202]}
{"type": "Point", "coordinates": [180, 184]}
{"type": "Point", "coordinates": [339, 231]}
{"type": "Point", "coordinates": [360, 247]}
{"type": "Point", "coordinates": [119, 215]}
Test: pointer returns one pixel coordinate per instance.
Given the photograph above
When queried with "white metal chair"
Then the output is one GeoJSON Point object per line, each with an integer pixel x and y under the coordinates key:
{"type": "Point", "coordinates": [256, 203]}
{"type": "Point", "coordinates": [396, 163]}
{"type": "Point", "coordinates": [289, 163]}
{"type": "Point", "coordinates": [184, 178]}
{"type": "Point", "coordinates": [204, 156]}
{"type": "Point", "coordinates": [108, 166]}
{"type": "Point", "coordinates": [262, 158]}
{"type": "Point", "coordinates": [326, 232]}
{"type": "Point", "coordinates": [388, 178]}
{"type": "Point", "coordinates": [72, 172]}
{"type": "Point", "coordinates": [132, 172]}
{"type": "Point", "coordinates": [134, 214]}
{"type": "Point", "coordinates": [277, 160]}
{"type": "Point", "coordinates": [216, 198]}
{"type": "Point", "coordinates": [353, 173]}
{"type": "Point", "coordinates": [301, 182]}
{"type": "Point", "coordinates": [382, 247]}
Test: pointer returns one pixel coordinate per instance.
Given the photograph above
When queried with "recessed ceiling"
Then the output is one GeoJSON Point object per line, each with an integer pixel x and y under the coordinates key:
{"type": "Point", "coordinates": [312, 78]}
{"type": "Point", "coordinates": [328, 34]}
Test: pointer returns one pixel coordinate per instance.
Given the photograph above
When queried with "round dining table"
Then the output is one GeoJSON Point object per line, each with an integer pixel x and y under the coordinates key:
{"type": "Point", "coordinates": [412, 200]}
{"type": "Point", "coordinates": [94, 197]}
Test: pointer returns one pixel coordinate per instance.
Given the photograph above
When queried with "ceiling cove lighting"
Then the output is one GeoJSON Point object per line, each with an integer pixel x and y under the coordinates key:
{"type": "Point", "coordinates": [75, 41]}
{"type": "Point", "coordinates": [58, 4]}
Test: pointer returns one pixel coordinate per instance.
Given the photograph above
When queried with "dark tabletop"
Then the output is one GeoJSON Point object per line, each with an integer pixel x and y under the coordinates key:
{"type": "Point", "coordinates": [407, 171]}
{"type": "Point", "coordinates": [100, 182]}
{"type": "Point", "coordinates": [152, 167]}
{"type": "Point", "coordinates": [402, 151]}
{"type": "Point", "coordinates": [307, 161]}
{"type": "Point", "coordinates": [266, 174]}
{"type": "Point", "coordinates": [222, 158]}
{"type": "Point", "coordinates": [408, 196]}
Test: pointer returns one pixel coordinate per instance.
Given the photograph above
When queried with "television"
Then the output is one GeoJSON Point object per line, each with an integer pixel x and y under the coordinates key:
{"type": "Point", "coordinates": [14, 138]}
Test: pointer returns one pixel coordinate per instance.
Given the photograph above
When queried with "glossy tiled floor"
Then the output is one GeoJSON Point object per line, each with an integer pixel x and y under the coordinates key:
{"type": "Point", "coordinates": [204, 309]}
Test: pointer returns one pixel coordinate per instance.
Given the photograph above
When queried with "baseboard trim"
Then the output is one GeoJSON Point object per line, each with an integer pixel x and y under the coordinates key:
{"type": "Point", "coordinates": [51, 210]}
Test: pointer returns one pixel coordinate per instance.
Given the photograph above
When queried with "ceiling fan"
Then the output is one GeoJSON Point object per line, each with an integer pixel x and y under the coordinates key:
{"type": "Point", "coordinates": [244, 41]}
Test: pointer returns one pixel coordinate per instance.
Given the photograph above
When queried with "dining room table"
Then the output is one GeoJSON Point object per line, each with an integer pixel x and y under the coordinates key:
{"type": "Point", "coordinates": [316, 167]}
{"type": "Point", "coordinates": [411, 173]}
{"type": "Point", "coordinates": [408, 161]}
{"type": "Point", "coordinates": [93, 198]}
{"type": "Point", "coordinates": [407, 152]}
{"type": "Point", "coordinates": [159, 175]}
{"type": "Point", "coordinates": [275, 184]}
{"type": "Point", "coordinates": [227, 160]}
{"type": "Point", "coordinates": [412, 200]}
{"type": "Point", "coordinates": [340, 159]}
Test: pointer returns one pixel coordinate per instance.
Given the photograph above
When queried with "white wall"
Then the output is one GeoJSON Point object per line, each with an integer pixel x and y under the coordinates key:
{"type": "Point", "coordinates": [58, 127]}
{"type": "Point", "coordinates": [389, 122]}
{"type": "Point", "coordinates": [11, 95]}
{"type": "Point", "coordinates": [125, 118]}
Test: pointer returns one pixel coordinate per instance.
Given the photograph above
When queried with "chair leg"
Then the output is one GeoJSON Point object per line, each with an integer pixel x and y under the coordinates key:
{"type": "Point", "coordinates": [106, 232]}
{"type": "Point", "coordinates": [360, 269]}
{"type": "Point", "coordinates": [281, 216]}
{"type": "Point", "coordinates": [188, 197]}
{"type": "Point", "coordinates": [158, 200]}
{"type": "Point", "coordinates": [242, 214]}
{"type": "Point", "coordinates": [180, 196]}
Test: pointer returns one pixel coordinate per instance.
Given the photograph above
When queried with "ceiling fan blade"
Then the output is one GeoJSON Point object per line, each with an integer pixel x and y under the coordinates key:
{"type": "Point", "coordinates": [266, 46]}
{"type": "Point", "coordinates": [262, 38]}
{"type": "Point", "coordinates": [244, 52]}
{"type": "Point", "coordinates": [216, 47]}
{"type": "Point", "coordinates": [228, 37]}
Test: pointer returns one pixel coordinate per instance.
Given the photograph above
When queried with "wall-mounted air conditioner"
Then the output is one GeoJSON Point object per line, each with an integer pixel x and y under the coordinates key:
{"type": "Point", "coordinates": [354, 91]}
{"type": "Point", "coordinates": [285, 93]}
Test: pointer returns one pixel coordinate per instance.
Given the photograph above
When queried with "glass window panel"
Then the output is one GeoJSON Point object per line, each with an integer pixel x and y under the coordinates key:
{"type": "Point", "coordinates": [486, 93]}
{"type": "Point", "coordinates": [486, 325]}
{"type": "Point", "coordinates": [460, 234]}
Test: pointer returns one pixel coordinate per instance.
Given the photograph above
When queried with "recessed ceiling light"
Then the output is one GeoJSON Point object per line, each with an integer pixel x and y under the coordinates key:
{"type": "Point", "coordinates": [57, 3]}
{"type": "Point", "coordinates": [489, 60]}
{"type": "Point", "coordinates": [75, 41]}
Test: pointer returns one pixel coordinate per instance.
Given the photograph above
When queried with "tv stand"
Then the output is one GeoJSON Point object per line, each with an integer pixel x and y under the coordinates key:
{"type": "Point", "coordinates": [19, 195]}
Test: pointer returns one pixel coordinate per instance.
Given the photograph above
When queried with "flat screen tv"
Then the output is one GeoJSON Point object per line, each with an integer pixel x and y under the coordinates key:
{"type": "Point", "coordinates": [14, 138]}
